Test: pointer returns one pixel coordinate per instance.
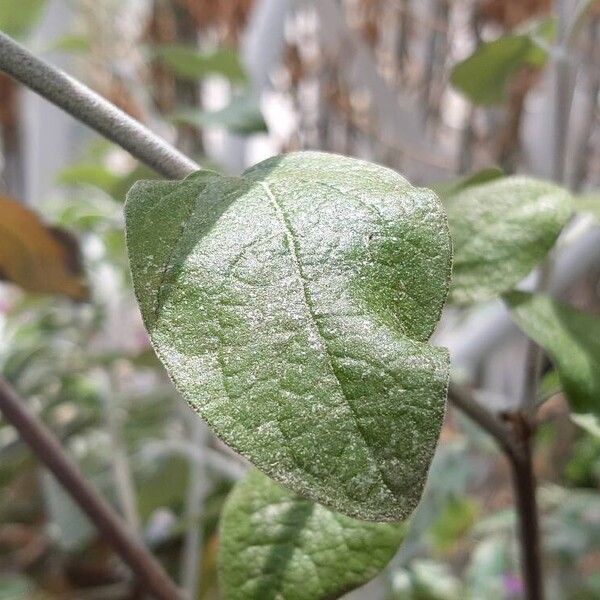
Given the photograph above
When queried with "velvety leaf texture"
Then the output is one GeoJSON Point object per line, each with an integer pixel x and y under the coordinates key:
{"type": "Point", "coordinates": [572, 340]}
{"type": "Point", "coordinates": [501, 230]}
{"type": "Point", "coordinates": [276, 545]}
{"type": "Point", "coordinates": [291, 307]}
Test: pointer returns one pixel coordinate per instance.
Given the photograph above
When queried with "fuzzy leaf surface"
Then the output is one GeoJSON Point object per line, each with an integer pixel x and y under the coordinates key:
{"type": "Point", "coordinates": [292, 308]}
{"type": "Point", "coordinates": [275, 544]}
{"type": "Point", "coordinates": [501, 230]}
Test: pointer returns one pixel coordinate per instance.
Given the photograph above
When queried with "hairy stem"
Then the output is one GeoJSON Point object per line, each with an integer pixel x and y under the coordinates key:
{"type": "Point", "coordinates": [46, 447]}
{"type": "Point", "coordinates": [93, 110]}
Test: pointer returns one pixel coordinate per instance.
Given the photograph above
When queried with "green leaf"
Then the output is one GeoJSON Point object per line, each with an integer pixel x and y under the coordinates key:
{"type": "Point", "coordinates": [274, 544]}
{"type": "Point", "coordinates": [588, 203]}
{"type": "Point", "coordinates": [17, 17]}
{"type": "Point", "coordinates": [483, 77]}
{"type": "Point", "coordinates": [454, 521]}
{"type": "Point", "coordinates": [89, 174]}
{"type": "Point", "coordinates": [189, 63]}
{"type": "Point", "coordinates": [501, 230]}
{"type": "Point", "coordinates": [572, 340]}
{"type": "Point", "coordinates": [242, 116]}
{"type": "Point", "coordinates": [71, 43]}
{"type": "Point", "coordinates": [292, 307]}
{"type": "Point", "coordinates": [449, 188]}
{"type": "Point", "coordinates": [588, 422]}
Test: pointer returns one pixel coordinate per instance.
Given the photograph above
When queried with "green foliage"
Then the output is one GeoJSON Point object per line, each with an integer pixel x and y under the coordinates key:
{"type": "Point", "coordinates": [89, 173]}
{"type": "Point", "coordinates": [500, 231]}
{"type": "Point", "coordinates": [426, 580]}
{"type": "Point", "coordinates": [292, 308]}
{"type": "Point", "coordinates": [275, 544]}
{"type": "Point", "coordinates": [242, 115]}
{"type": "Point", "coordinates": [589, 204]}
{"type": "Point", "coordinates": [483, 77]}
{"type": "Point", "coordinates": [17, 17]}
{"type": "Point", "coordinates": [14, 588]}
{"type": "Point", "coordinates": [71, 43]}
{"type": "Point", "coordinates": [457, 517]}
{"type": "Point", "coordinates": [588, 422]}
{"type": "Point", "coordinates": [189, 63]}
{"type": "Point", "coordinates": [572, 340]}
{"type": "Point", "coordinates": [446, 189]}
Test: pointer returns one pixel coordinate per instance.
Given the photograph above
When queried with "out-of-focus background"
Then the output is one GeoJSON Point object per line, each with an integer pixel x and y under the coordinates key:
{"type": "Point", "coordinates": [433, 88]}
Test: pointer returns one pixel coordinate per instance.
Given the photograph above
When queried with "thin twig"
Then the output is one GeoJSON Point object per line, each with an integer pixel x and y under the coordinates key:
{"type": "Point", "coordinates": [46, 447]}
{"type": "Point", "coordinates": [462, 398]}
{"type": "Point", "coordinates": [93, 110]}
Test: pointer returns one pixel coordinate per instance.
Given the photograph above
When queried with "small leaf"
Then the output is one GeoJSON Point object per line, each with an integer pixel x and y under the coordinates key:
{"type": "Point", "coordinates": [274, 544]}
{"type": "Point", "coordinates": [85, 173]}
{"type": "Point", "coordinates": [17, 17]}
{"type": "Point", "coordinates": [483, 77]}
{"type": "Point", "coordinates": [37, 257]}
{"type": "Point", "coordinates": [292, 307]}
{"type": "Point", "coordinates": [588, 422]}
{"type": "Point", "coordinates": [588, 203]}
{"type": "Point", "coordinates": [572, 340]}
{"type": "Point", "coordinates": [501, 230]}
{"type": "Point", "coordinates": [188, 62]}
{"type": "Point", "coordinates": [449, 188]}
{"type": "Point", "coordinates": [454, 521]}
{"type": "Point", "coordinates": [242, 116]}
{"type": "Point", "coordinates": [71, 43]}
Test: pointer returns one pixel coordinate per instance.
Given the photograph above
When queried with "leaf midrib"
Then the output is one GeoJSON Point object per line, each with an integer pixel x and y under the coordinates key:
{"type": "Point", "coordinates": [317, 328]}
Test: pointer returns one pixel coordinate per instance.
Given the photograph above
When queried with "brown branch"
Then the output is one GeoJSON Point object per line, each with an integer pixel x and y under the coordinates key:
{"type": "Point", "coordinates": [462, 398]}
{"type": "Point", "coordinates": [93, 110]}
{"type": "Point", "coordinates": [515, 441]}
{"type": "Point", "coordinates": [524, 486]}
{"type": "Point", "coordinates": [48, 450]}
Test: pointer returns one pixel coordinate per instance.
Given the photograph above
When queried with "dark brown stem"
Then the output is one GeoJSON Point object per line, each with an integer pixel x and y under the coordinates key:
{"type": "Point", "coordinates": [462, 398]}
{"type": "Point", "coordinates": [515, 441]}
{"type": "Point", "coordinates": [524, 485]}
{"type": "Point", "coordinates": [46, 447]}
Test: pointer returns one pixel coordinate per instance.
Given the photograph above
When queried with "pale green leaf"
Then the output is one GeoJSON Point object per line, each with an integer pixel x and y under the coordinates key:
{"type": "Point", "coordinates": [275, 545]}
{"type": "Point", "coordinates": [71, 43]}
{"type": "Point", "coordinates": [572, 340]}
{"type": "Point", "coordinates": [242, 115]}
{"type": "Point", "coordinates": [588, 422]}
{"type": "Point", "coordinates": [190, 63]}
{"type": "Point", "coordinates": [292, 308]}
{"type": "Point", "coordinates": [17, 17]}
{"type": "Point", "coordinates": [588, 203]}
{"type": "Point", "coordinates": [449, 188]}
{"type": "Point", "coordinates": [483, 77]}
{"type": "Point", "coordinates": [500, 231]}
{"type": "Point", "coordinates": [94, 174]}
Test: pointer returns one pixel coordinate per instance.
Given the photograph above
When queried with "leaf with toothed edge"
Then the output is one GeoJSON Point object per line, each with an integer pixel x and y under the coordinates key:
{"type": "Point", "coordinates": [275, 544]}
{"type": "Point", "coordinates": [292, 307]}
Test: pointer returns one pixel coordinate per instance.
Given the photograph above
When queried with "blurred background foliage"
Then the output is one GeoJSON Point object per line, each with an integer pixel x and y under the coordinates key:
{"type": "Point", "coordinates": [435, 89]}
